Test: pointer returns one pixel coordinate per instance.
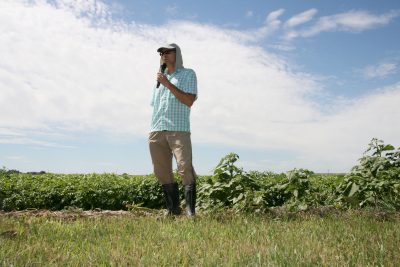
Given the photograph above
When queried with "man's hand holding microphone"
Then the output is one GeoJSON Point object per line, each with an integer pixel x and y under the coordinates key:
{"type": "Point", "coordinates": [160, 75]}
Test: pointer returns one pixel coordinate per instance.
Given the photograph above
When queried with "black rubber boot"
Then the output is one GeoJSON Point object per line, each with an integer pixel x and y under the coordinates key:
{"type": "Point", "coordinates": [171, 194]}
{"type": "Point", "coordinates": [190, 199]}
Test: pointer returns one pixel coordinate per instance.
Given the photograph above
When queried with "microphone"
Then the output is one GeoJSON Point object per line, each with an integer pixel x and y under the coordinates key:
{"type": "Point", "coordinates": [162, 69]}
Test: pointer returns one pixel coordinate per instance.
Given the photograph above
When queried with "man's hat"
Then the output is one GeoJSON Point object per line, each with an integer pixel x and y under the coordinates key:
{"type": "Point", "coordinates": [167, 47]}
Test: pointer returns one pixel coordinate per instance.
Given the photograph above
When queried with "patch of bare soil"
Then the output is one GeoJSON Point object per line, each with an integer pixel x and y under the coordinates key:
{"type": "Point", "coordinates": [73, 214]}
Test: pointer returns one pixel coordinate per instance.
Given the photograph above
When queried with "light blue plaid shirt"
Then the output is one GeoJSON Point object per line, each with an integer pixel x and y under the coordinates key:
{"type": "Point", "coordinates": [168, 112]}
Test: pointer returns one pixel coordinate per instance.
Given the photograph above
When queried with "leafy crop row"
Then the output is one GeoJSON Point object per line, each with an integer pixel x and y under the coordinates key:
{"type": "Point", "coordinates": [375, 182]}
{"type": "Point", "coordinates": [86, 191]}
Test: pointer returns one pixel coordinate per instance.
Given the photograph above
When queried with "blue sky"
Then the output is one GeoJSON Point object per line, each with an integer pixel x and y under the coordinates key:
{"type": "Point", "coordinates": [284, 84]}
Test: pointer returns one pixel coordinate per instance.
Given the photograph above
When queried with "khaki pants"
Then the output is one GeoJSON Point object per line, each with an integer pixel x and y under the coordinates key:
{"type": "Point", "coordinates": [165, 144]}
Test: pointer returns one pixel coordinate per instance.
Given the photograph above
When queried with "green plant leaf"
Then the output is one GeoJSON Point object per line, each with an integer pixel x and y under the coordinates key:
{"type": "Point", "coordinates": [354, 189]}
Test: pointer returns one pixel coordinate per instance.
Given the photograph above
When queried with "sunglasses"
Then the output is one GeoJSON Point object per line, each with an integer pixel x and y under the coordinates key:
{"type": "Point", "coordinates": [166, 52]}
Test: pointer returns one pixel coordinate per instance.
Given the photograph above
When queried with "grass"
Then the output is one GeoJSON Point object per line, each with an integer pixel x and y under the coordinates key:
{"type": "Point", "coordinates": [330, 239]}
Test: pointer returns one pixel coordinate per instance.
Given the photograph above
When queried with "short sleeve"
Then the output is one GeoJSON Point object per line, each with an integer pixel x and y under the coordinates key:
{"type": "Point", "coordinates": [189, 82]}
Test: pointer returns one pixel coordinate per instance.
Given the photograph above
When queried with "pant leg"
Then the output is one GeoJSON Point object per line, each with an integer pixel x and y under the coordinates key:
{"type": "Point", "coordinates": [181, 146]}
{"type": "Point", "coordinates": [161, 156]}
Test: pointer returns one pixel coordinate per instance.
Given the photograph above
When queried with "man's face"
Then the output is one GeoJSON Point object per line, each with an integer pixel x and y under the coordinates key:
{"type": "Point", "coordinates": [168, 56]}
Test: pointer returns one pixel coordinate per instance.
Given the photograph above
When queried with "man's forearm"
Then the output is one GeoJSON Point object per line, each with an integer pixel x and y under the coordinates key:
{"type": "Point", "coordinates": [185, 98]}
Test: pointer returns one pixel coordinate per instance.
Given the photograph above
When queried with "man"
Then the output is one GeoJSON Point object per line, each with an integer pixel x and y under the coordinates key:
{"type": "Point", "coordinates": [170, 128]}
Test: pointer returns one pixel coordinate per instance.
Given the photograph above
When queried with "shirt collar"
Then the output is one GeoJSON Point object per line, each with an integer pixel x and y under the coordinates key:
{"type": "Point", "coordinates": [176, 71]}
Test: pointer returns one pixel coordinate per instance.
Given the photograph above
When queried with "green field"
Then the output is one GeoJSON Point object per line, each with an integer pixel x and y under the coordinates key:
{"type": "Point", "coordinates": [374, 182]}
{"type": "Point", "coordinates": [352, 238]}
{"type": "Point", "coordinates": [297, 218]}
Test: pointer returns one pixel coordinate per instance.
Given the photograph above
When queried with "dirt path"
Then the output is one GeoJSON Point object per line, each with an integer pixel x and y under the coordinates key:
{"type": "Point", "coordinates": [77, 213]}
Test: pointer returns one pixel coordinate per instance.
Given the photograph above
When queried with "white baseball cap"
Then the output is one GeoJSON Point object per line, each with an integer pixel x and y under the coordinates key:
{"type": "Point", "coordinates": [168, 47]}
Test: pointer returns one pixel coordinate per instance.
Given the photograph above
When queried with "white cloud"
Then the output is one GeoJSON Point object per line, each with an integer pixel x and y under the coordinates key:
{"type": "Point", "coordinates": [41, 138]}
{"type": "Point", "coordinates": [272, 17]}
{"type": "Point", "coordinates": [352, 21]}
{"type": "Point", "coordinates": [343, 135]}
{"type": "Point", "coordinates": [60, 72]}
{"type": "Point", "coordinates": [249, 14]}
{"type": "Point", "coordinates": [17, 158]}
{"type": "Point", "coordinates": [90, 8]}
{"type": "Point", "coordinates": [301, 18]}
{"type": "Point", "coordinates": [271, 24]}
{"type": "Point", "coordinates": [379, 71]}
{"type": "Point", "coordinates": [283, 47]}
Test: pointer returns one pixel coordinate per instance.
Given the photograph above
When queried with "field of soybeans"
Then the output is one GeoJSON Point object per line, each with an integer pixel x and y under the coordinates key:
{"type": "Point", "coordinates": [243, 218]}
